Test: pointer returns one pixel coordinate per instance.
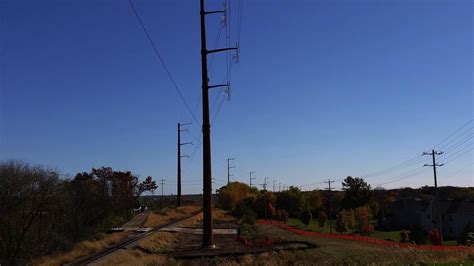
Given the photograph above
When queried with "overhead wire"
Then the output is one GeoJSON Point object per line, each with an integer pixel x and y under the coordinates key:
{"type": "Point", "coordinates": [157, 53]}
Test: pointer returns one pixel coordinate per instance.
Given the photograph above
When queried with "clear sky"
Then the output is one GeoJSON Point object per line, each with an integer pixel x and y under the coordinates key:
{"type": "Point", "coordinates": [323, 89]}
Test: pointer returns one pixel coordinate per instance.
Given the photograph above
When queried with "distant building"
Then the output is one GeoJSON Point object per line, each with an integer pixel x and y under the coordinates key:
{"type": "Point", "coordinates": [417, 213]}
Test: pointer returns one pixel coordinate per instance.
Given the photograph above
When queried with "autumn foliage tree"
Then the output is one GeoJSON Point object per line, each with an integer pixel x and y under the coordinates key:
{"type": "Point", "coordinates": [41, 212]}
{"type": "Point", "coordinates": [362, 220]}
{"type": "Point", "coordinates": [233, 193]}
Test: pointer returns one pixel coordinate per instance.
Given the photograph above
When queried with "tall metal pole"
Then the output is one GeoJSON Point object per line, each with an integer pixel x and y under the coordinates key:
{"type": "Point", "coordinates": [206, 135]}
{"type": "Point", "coordinates": [178, 203]}
{"type": "Point", "coordinates": [251, 178]}
{"type": "Point", "coordinates": [206, 129]}
{"type": "Point", "coordinates": [228, 169]}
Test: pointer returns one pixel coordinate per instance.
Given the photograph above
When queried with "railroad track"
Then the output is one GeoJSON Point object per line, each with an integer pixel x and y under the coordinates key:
{"type": "Point", "coordinates": [124, 243]}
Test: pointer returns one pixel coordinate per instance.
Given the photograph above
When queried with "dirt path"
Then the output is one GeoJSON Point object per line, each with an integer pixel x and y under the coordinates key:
{"type": "Point", "coordinates": [137, 221]}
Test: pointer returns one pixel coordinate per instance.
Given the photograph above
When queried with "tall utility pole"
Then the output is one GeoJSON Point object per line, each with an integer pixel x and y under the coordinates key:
{"type": "Point", "coordinates": [178, 200]}
{"type": "Point", "coordinates": [206, 129]}
{"type": "Point", "coordinates": [228, 169]}
{"type": "Point", "coordinates": [279, 187]}
{"type": "Point", "coordinates": [330, 204]}
{"type": "Point", "coordinates": [162, 182]}
{"type": "Point", "coordinates": [251, 178]}
{"type": "Point", "coordinates": [273, 190]}
{"type": "Point", "coordinates": [433, 153]}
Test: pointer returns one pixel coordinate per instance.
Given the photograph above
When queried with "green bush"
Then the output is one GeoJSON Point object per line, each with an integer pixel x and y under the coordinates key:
{"type": "Point", "coordinates": [418, 236]}
{"type": "Point", "coordinates": [306, 216]}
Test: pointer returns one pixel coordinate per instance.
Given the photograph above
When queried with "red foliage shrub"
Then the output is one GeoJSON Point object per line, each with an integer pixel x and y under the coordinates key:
{"type": "Point", "coordinates": [367, 230]}
{"type": "Point", "coordinates": [282, 215]}
{"type": "Point", "coordinates": [434, 237]}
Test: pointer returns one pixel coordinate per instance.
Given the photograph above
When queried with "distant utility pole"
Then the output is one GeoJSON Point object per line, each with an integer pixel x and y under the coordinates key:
{"type": "Point", "coordinates": [162, 182]}
{"type": "Point", "coordinates": [228, 169]}
{"type": "Point", "coordinates": [330, 205]}
{"type": "Point", "coordinates": [208, 238]}
{"type": "Point", "coordinates": [273, 190]}
{"type": "Point", "coordinates": [178, 203]}
{"type": "Point", "coordinates": [251, 178]}
{"type": "Point", "coordinates": [265, 183]}
{"type": "Point", "coordinates": [433, 153]}
{"type": "Point", "coordinates": [279, 187]}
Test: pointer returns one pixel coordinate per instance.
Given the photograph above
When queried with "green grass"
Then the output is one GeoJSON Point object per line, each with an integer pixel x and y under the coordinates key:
{"type": "Point", "coordinates": [313, 225]}
{"type": "Point", "coordinates": [450, 243]}
{"type": "Point", "coordinates": [345, 252]}
{"type": "Point", "coordinates": [395, 235]}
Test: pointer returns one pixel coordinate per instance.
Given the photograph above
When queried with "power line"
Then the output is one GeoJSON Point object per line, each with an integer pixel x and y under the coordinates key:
{"type": "Point", "coordinates": [452, 134]}
{"type": "Point", "coordinates": [162, 61]}
{"type": "Point", "coordinates": [460, 169]}
{"type": "Point", "coordinates": [415, 160]}
{"type": "Point", "coordinates": [452, 159]}
{"type": "Point", "coordinates": [459, 143]}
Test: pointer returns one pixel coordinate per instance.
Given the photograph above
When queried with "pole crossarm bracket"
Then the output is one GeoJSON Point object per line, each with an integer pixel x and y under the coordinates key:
{"type": "Point", "coordinates": [187, 156]}
{"type": "Point", "coordinates": [218, 85]}
{"type": "Point", "coordinates": [186, 143]}
{"type": "Point", "coordinates": [221, 50]}
{"type": "Point", "coordinates": [214, 12]}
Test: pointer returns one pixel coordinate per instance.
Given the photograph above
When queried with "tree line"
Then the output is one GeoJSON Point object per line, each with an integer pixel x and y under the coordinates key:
{"type": "Point", "coordinates": [356, 209]}
{"type": "Point", "coordinates": [43, 213]}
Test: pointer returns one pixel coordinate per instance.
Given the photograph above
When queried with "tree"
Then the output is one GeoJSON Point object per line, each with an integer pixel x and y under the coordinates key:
{"type": "Point", "coordinates": [26, 193]}
{"type": "Point", "coordinates": [322, 219]}
{"type": "Point", "coordinates": [362, 218]}
{"type": "Point", "coordinates": [232, 194]}
{"type": "Point", "coordinates": [314, 201]}
{"type": "Point", "coordinates": [147, 185]}
{"type": "Point", "coordinates": [292, 200]}
{"type": "Point", "coordinates": [305, 216]}
{"type": "Point", "coordinates": [357, 192]}
{"type": "Point", "coordinates": [341, 222]}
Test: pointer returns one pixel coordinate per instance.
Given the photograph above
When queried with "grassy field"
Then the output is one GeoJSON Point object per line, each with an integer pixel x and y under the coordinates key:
{"type": "Point", "coordinates": [394, 235]}
{"type": "Point", "coordinates": [328, 252]}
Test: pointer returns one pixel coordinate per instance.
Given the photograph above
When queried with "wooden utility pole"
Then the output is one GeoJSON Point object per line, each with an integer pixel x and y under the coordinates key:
{"type": "Point", "coordinates": [178, 200]}
{"type": "Point", "coordinates": [433, 153]}
{"type": "Point", "coordinates": [228, 169]}
{"type": "Point", "coordinates": [330, 204]}
{"type": "Point", "coordinates": [206, 129]}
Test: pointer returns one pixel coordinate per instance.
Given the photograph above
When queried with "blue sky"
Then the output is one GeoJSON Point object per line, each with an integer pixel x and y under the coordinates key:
{"type": "Point", "coordinates": [323, 89]}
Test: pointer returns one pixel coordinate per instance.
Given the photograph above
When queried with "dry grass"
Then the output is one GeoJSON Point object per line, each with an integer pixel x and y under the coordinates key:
{"type": "Point", "coordinates": [157, 219]}
{"type": "Point", "coordinates": [133, 257]}
{"type": "Point", "coordinates": [85, 248]}
{"type": "Point", "coordinates": [81, 249]}
{"type": "Point", "coordinates": [157, 242]}
{"type": "Point", "coordinates": [219, 216]}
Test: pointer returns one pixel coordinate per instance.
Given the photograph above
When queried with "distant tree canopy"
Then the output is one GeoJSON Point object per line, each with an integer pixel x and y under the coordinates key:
{"type": "Point", "coordinates": [292, 200]}
{"type": "Point", "coordinates": [41, 213]}
{"type": "Point", "coordinates": [357, 192]}
{"type": "Point", "coordinates": [233, 193]}
{"type": "Point", "coordinates": [147, 185]}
